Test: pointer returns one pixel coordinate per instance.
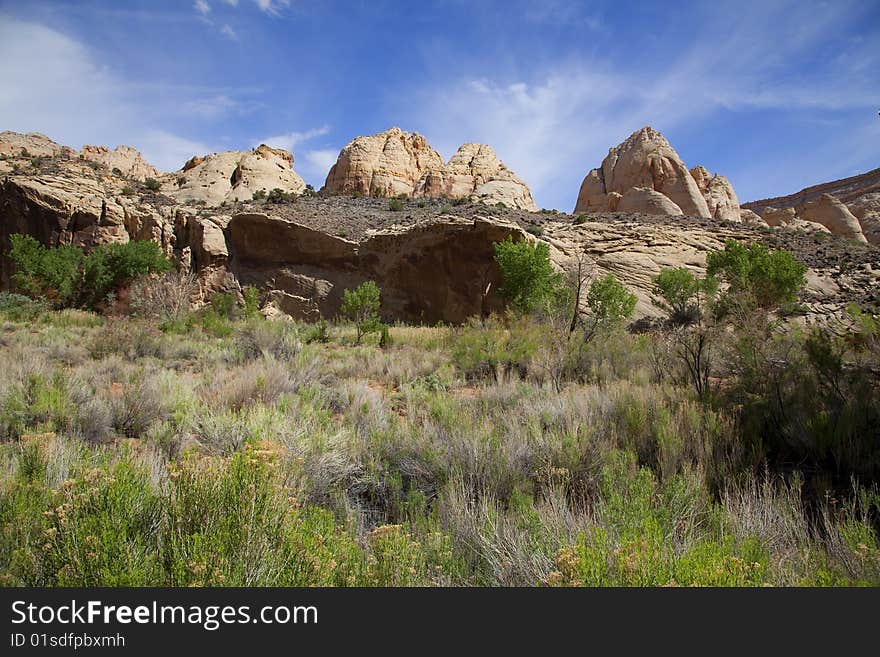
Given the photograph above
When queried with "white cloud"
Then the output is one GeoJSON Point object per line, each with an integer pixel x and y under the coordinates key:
{"type": "Point", "coordinates": [315, 164]}
{"type": "Point", "coordinates": [273, 7]}
{"type": "Point", "coordinates": [202, 7]}
{"type": "Point", "coordinates": [227, 31]}
{"type": "Point", "coordinates": [290, 140]}
{"type": "Point", "coordinates": [169, 151]}
{"type": "Point", "coordinates": [553, 125]}
{"type": "Point", "coordinates": [77, 101]}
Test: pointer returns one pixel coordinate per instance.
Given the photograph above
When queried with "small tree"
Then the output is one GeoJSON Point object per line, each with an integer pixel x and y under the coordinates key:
{"type": "Point", "coordinates": [681, 294]}
{"type": "Point", "coordinates": [757, 276]}
{"type": "Point", "coordinates": [361, 306]}
{"type": "Point", "coordinates": [528, 277]}
{"type": "Point", "coordinates": [610, 303]}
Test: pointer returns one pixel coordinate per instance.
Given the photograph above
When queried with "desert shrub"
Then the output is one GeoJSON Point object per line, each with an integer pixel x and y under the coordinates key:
{"type": "Point", "coordinates": [65, 276]}
{"type": "Point", "coordinates": [260, 338]}
{"type": "Point", "coordinates": [167, 297]}
{"type": "Point", "coordinates": [680, 293]}
{"type": "Point", "coordinates": [102, 530]}
{"type": "Point", "coordinates": [395, 205]}
{"type": "Point", "coordinates": [259, 195]}
{"type": "Point", "coordinates": [152, 184]}
{"type": "Point", "coordinates": [116, 171]}
{"type": "Point", "coordinates": [495, 348]}
{"type": "Point", "coordinates": [318, 332]}
{"type": "Point", "coordinates": [278, 195]}
{"type": "Point", "coordinates": [251, 297]}
{"type": "Point", "coordinates": [137, 407]}
{"type": "Point", "coordinates": [128, 190]}
{"type": "Point", "coordinates": [528, 277]}
{"type": "Point", "coordinates": [19, 308]}
{"type": "Point", "coordinates": [609, 302]}
{"type": "Point", "coordinates": [756, 275]}
{"type": "Point", "coordinates": [361, 306]}
{"type": "Point", "coordinates": [224, 304]}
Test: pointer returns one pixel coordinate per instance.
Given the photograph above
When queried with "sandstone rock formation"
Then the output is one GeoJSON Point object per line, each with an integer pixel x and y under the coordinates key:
{"type": "Point", "coordinates": [860, 194]}
{"type": "Point", "coordinates": [645, 159]}
{"type": "Point", "coordinates": [394, 163]}
{"type": "Point", "coordinates": [475, 172]}
{"type": "Point", "coordinates": [33, 143]}
{"type": "Point", "coordinates": [307, 270]}
{"type": "Point", "coordinates": [234, 176]}
{"type": "Point", "coordinates": [126, 159]}
{"type": "Point", "coordinates": [386, 164]}
{"type": "Point", "coordinates": [778, 216]}
{"type": "Point", "coordinates": [753, 218]}
{"type": "Point", "coordinates": [718, 194]}
{"type": "Point", "coordinates": [834, 215]}
{"type": "Point", "coordinates": [646, 201]}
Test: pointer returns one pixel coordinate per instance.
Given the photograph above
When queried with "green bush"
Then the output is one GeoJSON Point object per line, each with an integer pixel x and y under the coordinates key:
{"type": "Point", "coordinates": [528, 277]}
{"type": "Point", "coordinates": [66, 277]}
{"type": "Point", "coordinates": [395, 205]}
{"type": "Point", "coordinates": [278, 195]}
{"type": "Point", "coordinates": [128, 190]}
{"type": "Point", "coordinates": [610, 303]}
{"type": "Point", "coordinates": [258, 195]}
{"type": "Point", "coordinates": [756, 275]}
{"type": "Point", "coordinates": [361, 306]}
{"type": "Point", "coordinates": [680, 293]}
{"type": "Point", "coordinates": [152, 184]}
{"type": "Point", "coordinates": [251, 301]}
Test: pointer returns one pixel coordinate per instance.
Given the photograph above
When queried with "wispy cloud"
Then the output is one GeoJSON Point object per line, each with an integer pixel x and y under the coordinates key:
{"type": "Point", "coordinates": [227, 31]}
{"type": "Point", "coordinates": [555, 123]}
{"type": "Point", "coordinates": [98, 105]}
{"type": "Point", "coordinates": [272, 7]}
{"type": "Point", "coordinates": [290, 140]}
{"type": "Point", "coordinates": [202, 7]}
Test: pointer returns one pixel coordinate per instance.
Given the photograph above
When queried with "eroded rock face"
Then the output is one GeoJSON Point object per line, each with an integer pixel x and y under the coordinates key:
{"type": "Point", "coordinates": [644, 160]}
{"type": "Point", "coordinates": [475, 172]}
{"type": "Point", "coordinates": [433, 271]}
{"type": "Point", "coordinates": [234, 176]}
{"type": "Point", "coordinates": [33, 143]}
{"type": "Point", "coordinates": [126, 159]}
{"type": "Point", "coordinates": [778, 216]}
{"type": "Point", "coordinates": [645, 200]}
{"type": "Point", "coordinates": [834, 215]}
{"type": "Point", "coordinates": [395, 163]}
{"type": "Point", "coordinates": [746, 216]}
{"type": "Point", "coordinates": [386, 164]}
{"type": "Point", "coordinates": [718, 193]}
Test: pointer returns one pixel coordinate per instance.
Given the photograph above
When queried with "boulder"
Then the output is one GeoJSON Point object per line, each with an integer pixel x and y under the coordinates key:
{"type": "Point", "coordinates": [645, 159]}
{"type": "Point", "coordinates": [34, 144]}
{"type": "Point", "coordinates": [747, 216]}
{"type": "Point", "coordinates": [828, 211]}
{"type": "Point", "coordinates": [126, 159]}
{"type": "Point", "coordinates": [778, 216]}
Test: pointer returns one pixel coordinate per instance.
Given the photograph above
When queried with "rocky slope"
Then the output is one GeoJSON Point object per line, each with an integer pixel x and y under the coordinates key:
{"type": "Point", "coordinates": [398, 163]}
{"type": "Point", "coordinates": [433, 260]}
{"type": "Point", "coordinates": [848, 207]}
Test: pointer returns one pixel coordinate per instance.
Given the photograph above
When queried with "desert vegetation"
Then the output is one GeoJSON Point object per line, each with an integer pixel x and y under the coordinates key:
{"type": "Point", "coordinates": [729, 444]}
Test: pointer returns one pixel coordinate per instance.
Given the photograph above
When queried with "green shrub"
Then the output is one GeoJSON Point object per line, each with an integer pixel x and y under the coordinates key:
{"type": "Point", "coordinates": [152, 184]}
{"type": "Point", "coordinates": [395, 205]}
{"type": "Point", "coordinates": [528, 277]}
{"type": "Point", "coordinates": [610, 303]}
{"type": "Point", "coordinates": [361, 306]}
{"type": "Point", "coordinates": [680, 293]}
{"type": "Point", "coordinates": [224, 304]}
{"type": "Point", "coordinates": [65, 276]}
{"type": "Point", "coordinates": [278, 195]}
{"type": "Point", "coordinates": [494, 349]}
{"type": "Point", "coordinates": [117, 172]}
{"type": "Point", "coordinates": [258, 195]}
{"type": "Point", "coordinates": [756, 275]}
{"type": "Point", "coordinates": [128, 190]}
{"type": "Point", "coordinates": [251, 301]}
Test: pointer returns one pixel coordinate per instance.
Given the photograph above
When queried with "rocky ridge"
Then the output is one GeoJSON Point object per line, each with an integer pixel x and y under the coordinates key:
{"type": "Point", "coordinates": [433, 260]}
{"type": "Point", "coordinates": [398, 163]}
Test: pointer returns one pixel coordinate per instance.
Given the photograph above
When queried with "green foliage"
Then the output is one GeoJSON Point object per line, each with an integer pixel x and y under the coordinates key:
{"type": "Point", "coordinates": [128, 190]}
{"type": "Point", "coordinates": [117, 172]}
{"type": "Point", "coordinates": [609, 301]}
{"type": "Point", "coordinates": [680, 293]}
{"type": "Point", "coordinates": [495, 348]}
{"type": "Point", "coordinates": [528, 277]}
{"type": "Point", "coordinates": [278, 195]}
{"type": "Point", "coordinates": [395, 205]}
{"type": "Point", "coordinates": [251, 301]}
{"type": "Point", "coordinates": [152, 184]}
{"type": "Point", "coordinates": [19, 308]}
{"type": "Point", "coordinates": [318, 332]}
{"type": "Point", "coordinates": [258, 195]}
{"type": "Point", "coordinates": [756, 275]}
{"type": "Point", "coordinates": [361, 306]}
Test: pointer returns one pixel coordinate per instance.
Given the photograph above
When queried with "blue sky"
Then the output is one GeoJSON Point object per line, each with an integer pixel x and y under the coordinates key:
{"type": "Point", "coordinates": [776, 95]}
